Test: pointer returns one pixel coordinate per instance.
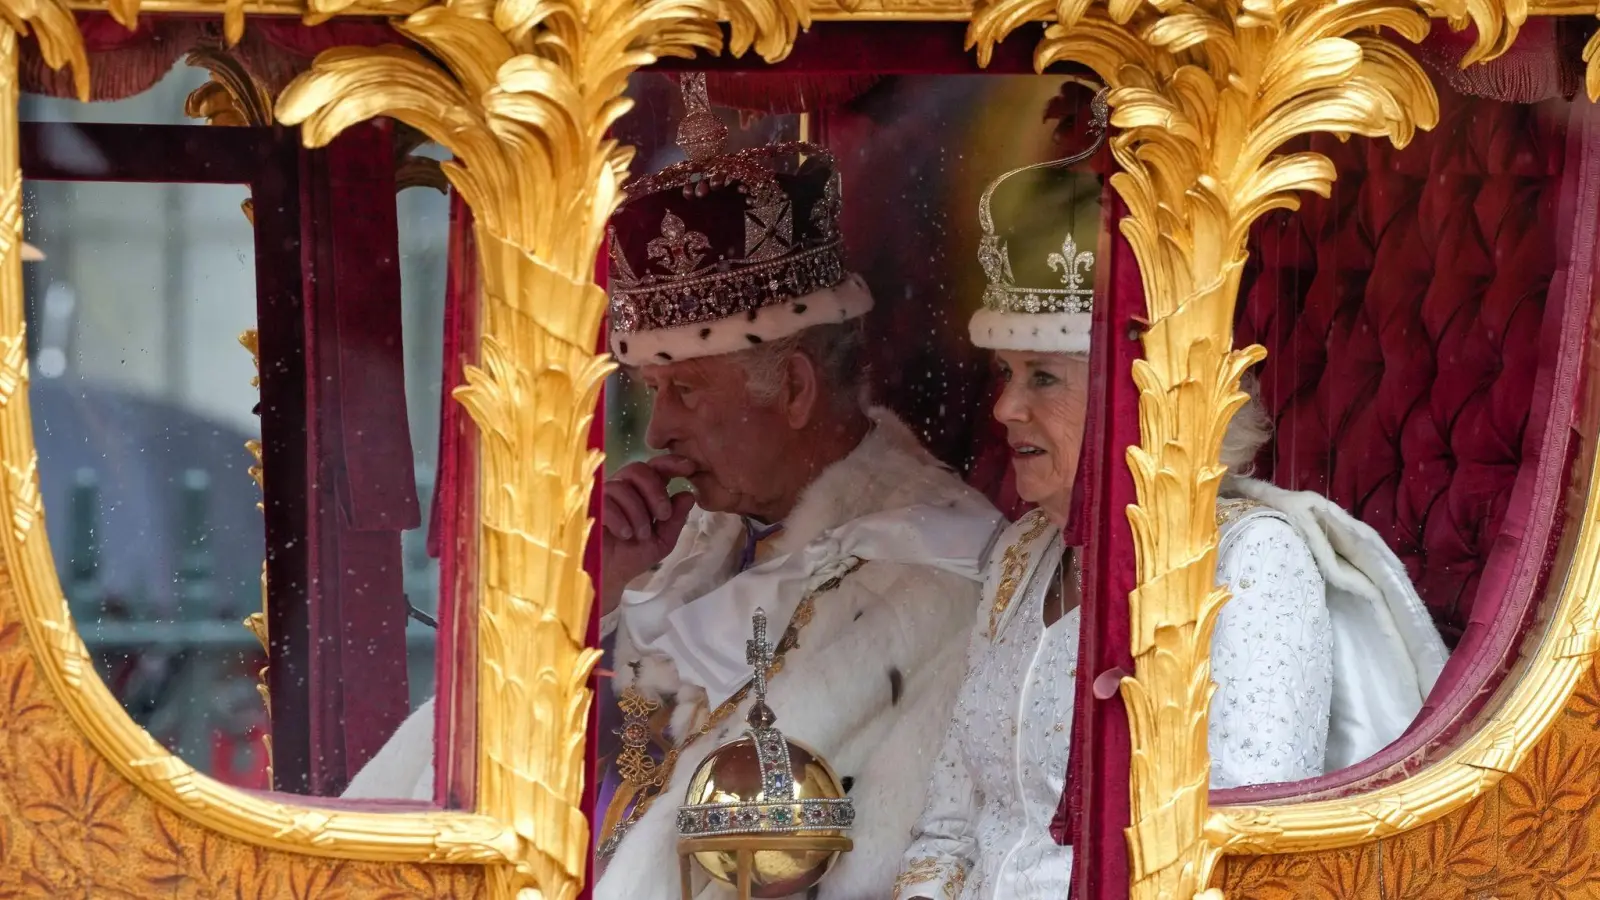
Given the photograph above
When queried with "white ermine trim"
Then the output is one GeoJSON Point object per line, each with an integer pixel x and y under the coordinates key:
{"type": "Point", "coordinates": [1031, 332]}
{"type": "Point", "coordinates": [844, 301]}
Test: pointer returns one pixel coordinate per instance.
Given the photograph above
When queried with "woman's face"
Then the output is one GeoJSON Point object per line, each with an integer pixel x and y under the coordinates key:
{"type": "Point", "coordinates": [1043, 405]}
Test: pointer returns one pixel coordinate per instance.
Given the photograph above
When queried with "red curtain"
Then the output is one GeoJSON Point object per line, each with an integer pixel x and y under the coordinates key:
{"type": "Point", "coordinates": [123, 63]}
{"type": "Point", "coordinates": [452, 528]}
{"type": "Point", "coordinates": [362, 493]}
{"type": "Point", "coordinates": [1094, 809]}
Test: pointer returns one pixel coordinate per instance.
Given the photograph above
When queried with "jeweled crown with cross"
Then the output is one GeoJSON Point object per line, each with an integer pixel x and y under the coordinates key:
{"type": "Point", "coordinates": [725, 251]}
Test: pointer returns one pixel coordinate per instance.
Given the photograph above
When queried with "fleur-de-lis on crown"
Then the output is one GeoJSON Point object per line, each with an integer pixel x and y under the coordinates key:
{"type": "Point", "coordinates": [1072, 264]}
{"type": "Point", "coordinates": [995, 257]}
{"type": "Point", "coordinates": [678, 250]}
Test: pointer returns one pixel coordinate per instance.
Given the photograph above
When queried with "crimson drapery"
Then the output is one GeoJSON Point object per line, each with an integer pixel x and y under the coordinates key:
{"type": "Point", "coordinates": [123, 63]}
{"type": "Point", "coordinates": [452, 530]}
{"type": "Point", "coordinates": [363, 483]}
{"type": "Point", "coordinates": [1094, 808]}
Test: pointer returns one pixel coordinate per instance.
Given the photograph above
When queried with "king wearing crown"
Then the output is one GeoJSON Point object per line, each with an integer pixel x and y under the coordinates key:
{"type": "Point", "coordinates": [731, 301]}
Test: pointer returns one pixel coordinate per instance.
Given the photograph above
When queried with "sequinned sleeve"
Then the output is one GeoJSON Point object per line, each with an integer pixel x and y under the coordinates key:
{"type": "Point", "coordinates": [1272, 660]}
{"type": "Point", "coordinates": [943, 845]}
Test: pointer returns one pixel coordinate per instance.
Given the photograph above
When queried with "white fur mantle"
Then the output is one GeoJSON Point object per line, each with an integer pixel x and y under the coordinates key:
{"type": "Point", "coordinates": [869, 687]}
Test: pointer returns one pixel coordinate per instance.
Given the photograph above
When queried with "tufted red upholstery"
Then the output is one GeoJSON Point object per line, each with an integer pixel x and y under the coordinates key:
{"type": "Point", "coordinates": [1426, 323]}
{"type": "Point", "coordinates": [1403, 319]}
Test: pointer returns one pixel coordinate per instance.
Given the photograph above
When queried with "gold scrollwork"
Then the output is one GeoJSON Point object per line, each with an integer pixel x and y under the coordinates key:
{"type": "Point", "coordinates": [231, 96]}
{"type": "Point", "coordinates": [256, 622]}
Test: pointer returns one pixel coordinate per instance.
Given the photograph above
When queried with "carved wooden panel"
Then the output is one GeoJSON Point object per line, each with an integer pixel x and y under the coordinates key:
{"type": "Point", "coordinates": [1536, 835]}
{"type": "Point", "coordinates": [71, 827]}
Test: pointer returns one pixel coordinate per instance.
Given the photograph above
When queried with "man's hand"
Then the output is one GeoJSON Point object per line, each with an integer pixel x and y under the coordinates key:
{"type": "Point", "coordinates": [641, 520]}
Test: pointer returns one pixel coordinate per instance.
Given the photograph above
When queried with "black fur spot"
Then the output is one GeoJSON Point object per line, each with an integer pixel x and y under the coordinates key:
{"type": "Point", "coordinates": [799, 308]}
{"type": "Point", "coordinates": [897, 684]}
{"type": "Point", "coordinates": [664, 357]}
{"type": "Point", "coordinates": [752, 339]}
{"type": "Point", "coordinates": [705, 333]}
{"type": "Point", "coordinates": [848, 782]}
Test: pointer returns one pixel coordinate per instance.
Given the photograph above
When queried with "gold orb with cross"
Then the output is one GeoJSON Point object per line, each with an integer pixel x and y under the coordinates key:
{"type": "Point", "coordinates": [764, 814]}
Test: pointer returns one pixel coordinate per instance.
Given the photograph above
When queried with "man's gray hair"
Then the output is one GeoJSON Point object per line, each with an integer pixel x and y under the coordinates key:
{"type": "Point", "coordinates": [839, 351]}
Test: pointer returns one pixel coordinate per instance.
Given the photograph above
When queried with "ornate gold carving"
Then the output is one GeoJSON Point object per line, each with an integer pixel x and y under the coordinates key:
{"type": "Point", "coordinates": [52, 25]}
{"type": "Point", "coordinates": [1591, 76]}
{"type": "Point", "coordinates": [231, 97]}
{"type": "Point", "coordinates": [854, 10]}
{"type": "Point", "coordinates": [1205, 94]}
{"type": "Point", "coordinates": [74, 827]}
{"type": "Point", "coordinates": [256, 622]}
{"type": "Point", "coordinates": [522, 96]}
{"type": "Point", "coordinates": [412, 170]}
{"type": "Point", "coordinates": [302, 9]}
{"type": "Point", "coordinates": [1529, 835]}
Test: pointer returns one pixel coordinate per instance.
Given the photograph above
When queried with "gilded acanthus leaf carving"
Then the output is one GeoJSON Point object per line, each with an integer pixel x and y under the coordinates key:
{"type": "Point", "coordinates": [52, 25]}
{"type": "Point", "coordinates": [522, 93]}
{"type": "Point", "coordinates": [231, 96]}
{"type": "Point", "coordinates": [13, 365]}
{"type": "Point", "coordinates": [27, 508]}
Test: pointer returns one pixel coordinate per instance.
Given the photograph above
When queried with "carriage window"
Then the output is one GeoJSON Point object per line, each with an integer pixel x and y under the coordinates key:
{"type": "Point", "coordinates": [1393, 490]}
{"type": "Point", "coordinates": [818, 423]}
{"type": "Point", "coordinates": [1423, 375]}
{"type": "Point", "coordinates": [238, 352]}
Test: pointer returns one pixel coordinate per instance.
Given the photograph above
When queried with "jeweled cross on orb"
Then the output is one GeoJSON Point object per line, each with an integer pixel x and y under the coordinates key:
{"type": "Point", "coordinates": [758, 653]}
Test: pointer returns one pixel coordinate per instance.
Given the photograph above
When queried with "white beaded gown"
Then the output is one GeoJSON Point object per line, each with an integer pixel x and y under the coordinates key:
{"type": "Point", "coordinates": [985, 834]}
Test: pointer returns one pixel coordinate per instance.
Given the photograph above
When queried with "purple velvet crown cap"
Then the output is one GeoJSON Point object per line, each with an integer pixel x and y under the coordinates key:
{"type": "Point", "coordinates": [708, 239]}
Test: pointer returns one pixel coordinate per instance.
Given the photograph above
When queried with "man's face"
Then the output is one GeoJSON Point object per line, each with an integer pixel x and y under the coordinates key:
{"type": "Point", "coordinates": [701, 409]}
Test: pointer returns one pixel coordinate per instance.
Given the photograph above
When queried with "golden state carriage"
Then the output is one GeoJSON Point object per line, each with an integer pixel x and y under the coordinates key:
{"type": "Point", "coordinates": [1390, 206]}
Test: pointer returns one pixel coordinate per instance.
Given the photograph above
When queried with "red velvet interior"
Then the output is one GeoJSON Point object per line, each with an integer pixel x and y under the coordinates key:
{"type": "Point", "coordinates": [1415, 337]}
{"type": "Point", "coordinates": [1402, 316]}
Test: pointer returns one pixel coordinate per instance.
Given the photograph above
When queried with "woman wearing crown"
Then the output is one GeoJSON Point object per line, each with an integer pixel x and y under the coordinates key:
{"type": "Point", "coordinates": [1323, 655]}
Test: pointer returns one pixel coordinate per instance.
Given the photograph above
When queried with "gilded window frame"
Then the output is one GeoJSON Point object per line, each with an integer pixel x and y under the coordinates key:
{"type": "Point", "coordinates": [528, 122]}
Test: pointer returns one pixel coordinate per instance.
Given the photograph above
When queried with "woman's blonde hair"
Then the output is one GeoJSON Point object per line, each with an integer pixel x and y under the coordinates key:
{"type": "Point", "coordinates": [1249, 431]}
